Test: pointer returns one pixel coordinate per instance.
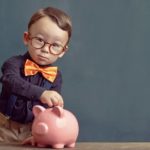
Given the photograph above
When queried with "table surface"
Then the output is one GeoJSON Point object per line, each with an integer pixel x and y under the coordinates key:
{"type": "Point", "coordinates": [88, 146]}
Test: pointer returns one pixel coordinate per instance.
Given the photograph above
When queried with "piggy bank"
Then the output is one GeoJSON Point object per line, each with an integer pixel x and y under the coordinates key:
{"type": "Point", "coordinates": [54, 127]}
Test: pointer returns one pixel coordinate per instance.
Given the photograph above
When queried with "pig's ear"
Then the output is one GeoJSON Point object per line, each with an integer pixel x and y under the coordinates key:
{"type": "Point", "coordinates": [37, 109]}
{"type": "Point", "coordinates": [59, 111]}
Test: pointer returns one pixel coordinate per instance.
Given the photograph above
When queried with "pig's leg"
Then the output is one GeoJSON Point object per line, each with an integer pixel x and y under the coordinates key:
{"type": "Point", "coordinates": [58, 146]}
{"type": "Point", "coordinates": [71, 145]}
{"type": "Point", "coordinates": [40, 145]}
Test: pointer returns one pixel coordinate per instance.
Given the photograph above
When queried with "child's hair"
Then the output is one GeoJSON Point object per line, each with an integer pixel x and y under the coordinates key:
{"type": "Point", "coordinates": [59, 17]}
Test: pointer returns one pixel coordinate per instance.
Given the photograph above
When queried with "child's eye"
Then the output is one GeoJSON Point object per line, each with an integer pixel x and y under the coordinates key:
{"type": "Point", "coordinates": [39, 39]}
{"type": "Point", "coordinates": [56, 45]}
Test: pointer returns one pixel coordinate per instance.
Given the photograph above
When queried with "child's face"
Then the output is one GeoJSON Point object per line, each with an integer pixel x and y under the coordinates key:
{"type": "Point", "coordinates": [46, 31]}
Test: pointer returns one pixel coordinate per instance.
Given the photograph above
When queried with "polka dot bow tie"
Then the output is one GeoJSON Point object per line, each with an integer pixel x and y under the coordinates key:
{"type": "Point", "coordinates": [48, 73]}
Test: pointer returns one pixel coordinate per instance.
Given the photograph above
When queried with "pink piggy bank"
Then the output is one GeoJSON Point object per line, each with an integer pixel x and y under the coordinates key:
{"type": "Point", "coordinates": [55, 127]}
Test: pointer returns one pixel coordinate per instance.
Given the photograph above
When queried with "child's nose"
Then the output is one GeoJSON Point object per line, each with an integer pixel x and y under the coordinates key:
{"type": "Point", "coordinates": [46, 49]}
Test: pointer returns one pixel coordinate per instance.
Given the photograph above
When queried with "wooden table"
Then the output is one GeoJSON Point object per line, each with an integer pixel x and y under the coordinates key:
{"type": "Point", "coordinates": [88, 146]}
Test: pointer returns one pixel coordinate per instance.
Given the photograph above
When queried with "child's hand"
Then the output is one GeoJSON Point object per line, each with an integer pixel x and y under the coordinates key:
{"type": "Point", "coordinates": [52, 98]}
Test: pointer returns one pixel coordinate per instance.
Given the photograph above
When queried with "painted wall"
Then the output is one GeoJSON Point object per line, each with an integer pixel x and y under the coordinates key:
{"type": "Point", "coordinates": [106, 71]}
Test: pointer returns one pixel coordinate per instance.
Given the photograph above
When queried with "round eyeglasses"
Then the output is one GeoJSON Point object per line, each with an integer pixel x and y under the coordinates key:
{"type": "Point", "coordinates": [54, 48]}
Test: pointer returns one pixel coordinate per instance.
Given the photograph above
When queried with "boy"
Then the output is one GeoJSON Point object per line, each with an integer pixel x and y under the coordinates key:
{"type": "Point", "coordinates": [31, 79]}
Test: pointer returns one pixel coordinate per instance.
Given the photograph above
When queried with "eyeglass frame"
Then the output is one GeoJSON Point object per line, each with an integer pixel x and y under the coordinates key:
{"type": "Point", "coordinates": [50, 44]}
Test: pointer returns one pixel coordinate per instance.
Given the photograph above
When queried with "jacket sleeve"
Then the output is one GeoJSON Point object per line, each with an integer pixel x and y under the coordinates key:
{"type": "Point", "coordinates": [12, 79]}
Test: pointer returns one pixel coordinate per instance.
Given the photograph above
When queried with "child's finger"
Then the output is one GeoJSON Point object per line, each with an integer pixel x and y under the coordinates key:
{"type": "Point", "coordinates": [55, 101]}
{"type": "Point", "coordinates": [61, 103]}
{"type": "Point", "coordinates": [49, 103]}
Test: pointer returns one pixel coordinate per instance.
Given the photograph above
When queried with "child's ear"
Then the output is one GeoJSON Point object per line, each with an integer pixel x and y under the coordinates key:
{"type": "Point", "coordinates": [26, 37]}
{"type": "Point", "coordinates": [65, 49]}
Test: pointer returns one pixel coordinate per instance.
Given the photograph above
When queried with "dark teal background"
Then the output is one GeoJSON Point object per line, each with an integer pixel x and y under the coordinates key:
{"type": "Point", "coordinates": [106, 71]}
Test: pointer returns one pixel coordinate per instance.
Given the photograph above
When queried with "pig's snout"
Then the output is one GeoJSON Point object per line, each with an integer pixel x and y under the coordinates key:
{"type": "Point", "coordinates": [41, 128]}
